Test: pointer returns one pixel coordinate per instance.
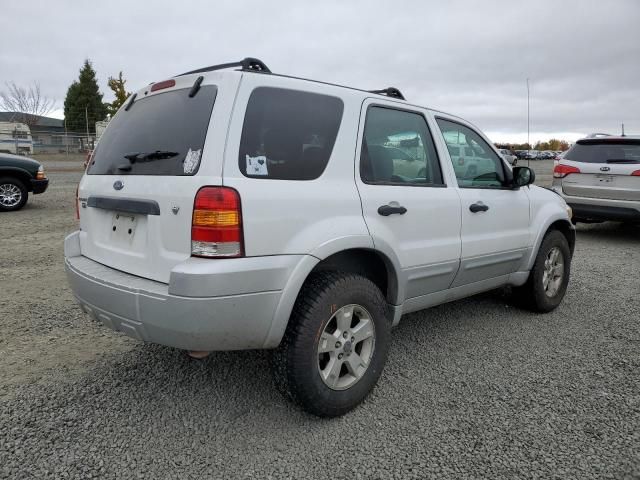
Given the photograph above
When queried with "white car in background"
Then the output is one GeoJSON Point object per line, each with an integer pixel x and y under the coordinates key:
{"type": "Point", "coordinates": [599, 177]}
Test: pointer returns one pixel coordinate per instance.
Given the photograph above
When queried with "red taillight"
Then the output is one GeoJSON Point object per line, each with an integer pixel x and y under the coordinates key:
{"type": "Point", "coordinates": [161, 85]}
{"type": "Point", "coordinates": [636, 173]}
{"type": "Point", "coordinates": [77, 203]}
{"type": "Point", "coordinates": [561, 171]}
{"type": "Point", "coordinates": [216, 228]}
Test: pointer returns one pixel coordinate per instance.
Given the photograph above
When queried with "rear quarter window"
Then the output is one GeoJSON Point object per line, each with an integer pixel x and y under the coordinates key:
{"type": "Point", "coordinates": [288, 134]}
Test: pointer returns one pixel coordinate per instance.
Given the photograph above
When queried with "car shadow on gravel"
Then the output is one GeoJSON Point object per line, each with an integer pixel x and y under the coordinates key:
{"type": "Point", "coordinates": [226, 386]}
{"type": "Point", "coordinates": [608, 231]}
{"type": "Point", "coordinates": [220, 388]}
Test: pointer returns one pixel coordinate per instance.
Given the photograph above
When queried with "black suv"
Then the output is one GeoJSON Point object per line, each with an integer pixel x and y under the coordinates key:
{"type": "Point", "coordinates": [18, 177]}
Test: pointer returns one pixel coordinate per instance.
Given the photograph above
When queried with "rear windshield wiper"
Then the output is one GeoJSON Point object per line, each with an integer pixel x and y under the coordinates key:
{"type": "Point", "coordinates": [621, 160]}
{"type": "Point", "coordinates": [147, 156]}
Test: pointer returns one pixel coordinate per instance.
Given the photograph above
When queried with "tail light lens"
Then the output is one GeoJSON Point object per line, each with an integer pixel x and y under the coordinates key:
{"type": "Point", "coordinates": [561, 171]}
{"type": "Point", "coordinates": [636, 173]}
{"type": "Point", "coordinates": [216, 228]}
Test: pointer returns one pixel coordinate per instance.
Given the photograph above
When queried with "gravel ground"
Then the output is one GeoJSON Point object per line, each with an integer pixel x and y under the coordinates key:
{"type": "Point", "coordinates": [472, 389]}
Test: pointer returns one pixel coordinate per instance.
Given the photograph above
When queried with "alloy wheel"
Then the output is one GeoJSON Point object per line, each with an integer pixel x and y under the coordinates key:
{"type": "Point", "coordinates": [345, 347]}
{"type": "Point", "coordinates": [10, 195]}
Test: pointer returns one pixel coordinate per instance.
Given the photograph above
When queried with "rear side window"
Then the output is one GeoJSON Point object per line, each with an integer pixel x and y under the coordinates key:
{"type": "Point", "coordinates": [603, 151]}
{"type": "Point", "coordinates": [162, 134]}
{"type": "Point", "coordinates": [288, 134]}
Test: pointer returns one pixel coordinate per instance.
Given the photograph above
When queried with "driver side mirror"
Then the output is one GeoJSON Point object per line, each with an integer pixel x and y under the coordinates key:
{"type": "Point", "coordinates": [523, 176]}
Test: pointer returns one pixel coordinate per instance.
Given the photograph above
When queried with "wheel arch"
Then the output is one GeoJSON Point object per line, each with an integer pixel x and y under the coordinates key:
{"type": "Point", "coordinates": [22, 175]}
{"type": "Point", "coordinates": [363, 260]}
{"type": "Point", "coordinates": [562, 225]}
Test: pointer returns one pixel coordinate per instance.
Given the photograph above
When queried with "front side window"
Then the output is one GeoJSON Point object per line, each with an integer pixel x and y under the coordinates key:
{"type": "Point", "coordinates": [475, 163]}
{"type": "Point", "coordinates": [288, 134]}
{"type": "Point", "coordinates": [397, 149]}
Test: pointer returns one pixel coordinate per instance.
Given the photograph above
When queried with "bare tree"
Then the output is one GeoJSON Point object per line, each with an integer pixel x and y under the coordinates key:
{"type": "Point", "coordinates": [28, 103]}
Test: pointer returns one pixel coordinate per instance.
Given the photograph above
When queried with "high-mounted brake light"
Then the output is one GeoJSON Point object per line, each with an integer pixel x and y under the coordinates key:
{"type": "Point", "coordinates": [561, 170]}
{"type": "Point", "coordinates": [216, 228]}
{"type": "Point", "coordinates": [164, 84]}
{"type": "Point", "coordinates": [636, 173]}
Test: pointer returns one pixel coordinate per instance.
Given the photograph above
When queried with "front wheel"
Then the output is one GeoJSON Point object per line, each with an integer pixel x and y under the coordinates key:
{"type": "Point", "coordinates": [336, 344]}
{"type": "Point", "coordinates": [547, 283]}
{"type": "Point", "coordinates": [13, 194]}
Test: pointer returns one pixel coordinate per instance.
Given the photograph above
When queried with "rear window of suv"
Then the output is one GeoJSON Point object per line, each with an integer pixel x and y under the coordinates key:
{"type": "Point", "coordinates": [288, 134]}
{"type": "Point", "coordinates": [605, 151]}
{"type": "Point", "coordinates": [162, 134]}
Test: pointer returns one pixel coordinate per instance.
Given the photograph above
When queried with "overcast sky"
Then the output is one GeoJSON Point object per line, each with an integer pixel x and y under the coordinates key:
{"type": "Point", "coordinates": [469, 58]}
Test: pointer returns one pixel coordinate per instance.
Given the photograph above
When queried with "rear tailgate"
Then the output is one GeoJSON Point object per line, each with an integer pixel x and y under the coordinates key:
{"type": "Point", "coordinates": [608, 169]}
{"type": "Point", "coordinates": [137, 196]}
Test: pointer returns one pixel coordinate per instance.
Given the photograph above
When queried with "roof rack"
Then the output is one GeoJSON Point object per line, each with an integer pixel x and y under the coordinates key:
{"type": "Point", "coordinates": [389, 92]}
{"type": "Point", "coordinates": [597, 135]}
{"type": "Point", "coordinates": [248, 64]}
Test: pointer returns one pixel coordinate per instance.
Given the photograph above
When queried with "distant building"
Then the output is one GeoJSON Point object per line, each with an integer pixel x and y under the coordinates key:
{"type": "Point", "coordinates": [49, 135]}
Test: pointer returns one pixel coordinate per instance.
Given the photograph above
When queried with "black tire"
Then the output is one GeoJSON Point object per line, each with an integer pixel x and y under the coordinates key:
{"type": "Point", "coordinates": [295, 362]}
{"type": "Point", "coordinates": [24, 194]}
{"type": "Point", "coordinates": [532, 294]}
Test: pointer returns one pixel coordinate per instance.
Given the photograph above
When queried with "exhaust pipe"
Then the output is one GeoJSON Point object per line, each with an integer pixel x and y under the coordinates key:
{"type": "Point", "coordinates": [198, 354]}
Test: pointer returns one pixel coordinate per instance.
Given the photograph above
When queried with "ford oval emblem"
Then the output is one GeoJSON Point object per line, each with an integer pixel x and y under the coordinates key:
{"type": "Point", "coordinates": [605, 169]}
{"type": "Point", "coordinates": [118, 185]}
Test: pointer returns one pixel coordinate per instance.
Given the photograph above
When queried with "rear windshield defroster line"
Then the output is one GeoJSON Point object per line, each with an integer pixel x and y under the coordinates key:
{"type": "Point", "coordinates": [137, 141]}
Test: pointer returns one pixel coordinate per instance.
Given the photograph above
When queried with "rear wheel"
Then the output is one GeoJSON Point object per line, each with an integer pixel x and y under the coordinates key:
{"type": "Point", "coordinates": [547, 283]}
{"type": "Point", "coordinates": [13, 194]}
{"type": "Point", "coordinates": [336, 344]}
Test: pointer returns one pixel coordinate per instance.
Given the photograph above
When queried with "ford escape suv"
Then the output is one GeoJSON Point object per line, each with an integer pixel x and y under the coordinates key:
{"type": "Point", "coordinates": [599, 177]}
{"type": "Point", "coordinates": [232, 208]}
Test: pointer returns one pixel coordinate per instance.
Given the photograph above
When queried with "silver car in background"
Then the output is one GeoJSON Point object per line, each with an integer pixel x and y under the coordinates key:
{"type": "Point", "coordinates": [509, 156]}
{"type": "Point", "coordinates": [599, 177]}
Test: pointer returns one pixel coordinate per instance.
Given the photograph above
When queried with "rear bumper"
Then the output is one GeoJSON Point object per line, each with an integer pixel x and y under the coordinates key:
{"type": "Point", "coordinates": [601, 209]}
{"type": "Point", "coordinates": [39, 186]}
{"type": "Point", "coordinates": [604, 212]}
{"type": "Point", "coordinates": [149, 311]}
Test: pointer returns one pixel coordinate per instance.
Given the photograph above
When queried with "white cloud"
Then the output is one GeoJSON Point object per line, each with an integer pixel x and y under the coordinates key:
{"type": "Point", "coordinates": [470, 58]}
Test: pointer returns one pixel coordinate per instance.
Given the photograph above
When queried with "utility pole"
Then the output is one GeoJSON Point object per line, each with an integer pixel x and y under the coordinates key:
{"type": "Point", "coordinates": [86, 117]}
{"type": "Point", "coordinates": [623, 129]}
{"type": "Point", "coordinates": [528, 129]}
{"type": "Point", "coordinates": [66, 138]}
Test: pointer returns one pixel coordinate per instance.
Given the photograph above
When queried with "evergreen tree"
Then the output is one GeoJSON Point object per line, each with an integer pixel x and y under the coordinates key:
{"type": "Point", "coordinates": [120, 92]}
{"type": "Point", "coordinates": [84, 101]}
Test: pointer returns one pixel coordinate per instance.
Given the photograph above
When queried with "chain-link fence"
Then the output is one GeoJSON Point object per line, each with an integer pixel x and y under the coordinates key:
{"type": "Point", "coordinates": [21, 142]}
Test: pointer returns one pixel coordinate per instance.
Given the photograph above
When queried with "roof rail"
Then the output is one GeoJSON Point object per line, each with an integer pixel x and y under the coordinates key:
{"type": "Point", "coordinates": [248, 64]}
{"type": "Point", "coordinates": [597, 135]}
{"type": "Point", "coordinates": [389, 92]}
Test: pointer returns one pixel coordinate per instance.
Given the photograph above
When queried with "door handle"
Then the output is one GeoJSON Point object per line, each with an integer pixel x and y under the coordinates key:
{"type": "Point", "coordinates": [478, 207]}
{"type": "Point", "coordinates": [386, 210]}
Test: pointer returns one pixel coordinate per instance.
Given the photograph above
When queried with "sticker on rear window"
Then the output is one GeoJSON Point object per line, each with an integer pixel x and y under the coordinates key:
{"type": "Point", "coordinates": [191, 161]}
{"type": "Point", "coordinates": [257, 165]}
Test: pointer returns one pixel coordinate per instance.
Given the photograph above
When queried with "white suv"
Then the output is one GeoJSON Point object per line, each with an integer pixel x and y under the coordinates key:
{"type": "Point", "coordinates": [238, 209]}
{"type": "Point", "coordinates": [599, 177]}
